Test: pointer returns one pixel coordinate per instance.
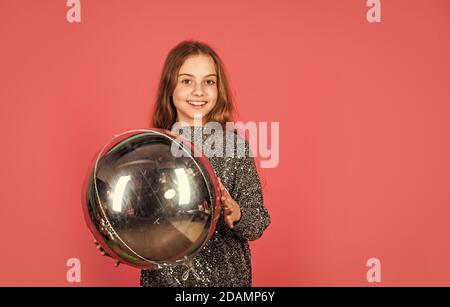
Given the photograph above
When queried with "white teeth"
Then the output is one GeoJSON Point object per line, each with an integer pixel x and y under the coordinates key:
{"type": "Point", "coordinates": [197, 103]}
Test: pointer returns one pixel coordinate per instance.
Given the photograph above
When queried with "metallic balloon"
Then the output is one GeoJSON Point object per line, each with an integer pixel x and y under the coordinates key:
{"type": "Point", "coordinates": [147, 206]}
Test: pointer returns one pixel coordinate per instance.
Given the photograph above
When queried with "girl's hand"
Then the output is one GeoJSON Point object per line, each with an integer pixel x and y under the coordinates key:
{"type": "Point", "coordinates": [104, 253]}
{"type": "Point", "coordinates": [232, 210]}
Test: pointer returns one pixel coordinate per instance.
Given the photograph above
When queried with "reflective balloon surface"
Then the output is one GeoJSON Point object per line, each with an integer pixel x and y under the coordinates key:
{"type": "Point", "coordinates": [148, 206]}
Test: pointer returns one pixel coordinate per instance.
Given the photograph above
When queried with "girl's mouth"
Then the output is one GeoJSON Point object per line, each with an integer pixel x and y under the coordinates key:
{"type": "Point", "coordinates": [197, 104]}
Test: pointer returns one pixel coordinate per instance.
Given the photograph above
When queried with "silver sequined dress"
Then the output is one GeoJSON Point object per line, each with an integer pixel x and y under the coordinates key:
{"type": "Point", "coordinates": [225, 260]}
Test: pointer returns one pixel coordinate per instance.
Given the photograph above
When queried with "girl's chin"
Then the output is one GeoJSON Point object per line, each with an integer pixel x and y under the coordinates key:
{"type": "Point", "coordinates": [197, 115]}
{"type": "Point", "coordinates": [198, 112]}
{"type": "Point", "coordinates": [192, 116]}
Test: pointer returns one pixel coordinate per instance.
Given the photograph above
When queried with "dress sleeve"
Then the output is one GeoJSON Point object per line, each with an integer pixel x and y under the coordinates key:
{"type": "Point", "coordinates": [247, 192]}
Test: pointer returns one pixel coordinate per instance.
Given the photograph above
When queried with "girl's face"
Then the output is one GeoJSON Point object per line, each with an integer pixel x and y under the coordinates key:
{"type": "Point", "coordinates": [195, 94]}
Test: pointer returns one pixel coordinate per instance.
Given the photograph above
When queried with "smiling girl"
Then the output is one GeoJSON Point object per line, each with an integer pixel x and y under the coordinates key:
{"type": "Point", "coordinates": [193, 86]}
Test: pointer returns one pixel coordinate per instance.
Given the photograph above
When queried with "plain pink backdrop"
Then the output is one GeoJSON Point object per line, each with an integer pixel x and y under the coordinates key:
{"type": "Point", "coordinates": [364, 129]}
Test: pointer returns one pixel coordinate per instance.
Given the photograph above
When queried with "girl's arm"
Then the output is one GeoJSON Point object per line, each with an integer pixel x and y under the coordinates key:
{"type": "Point", "coordinates": [247, 192]}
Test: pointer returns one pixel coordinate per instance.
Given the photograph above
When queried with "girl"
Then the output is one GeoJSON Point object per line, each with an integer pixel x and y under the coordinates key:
{"type": "Point", "coordinates": [193, 86]}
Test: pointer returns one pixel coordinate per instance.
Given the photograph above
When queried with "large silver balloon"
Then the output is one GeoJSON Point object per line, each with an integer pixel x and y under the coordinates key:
{"type": "Point", "coordinates": [146, 206]}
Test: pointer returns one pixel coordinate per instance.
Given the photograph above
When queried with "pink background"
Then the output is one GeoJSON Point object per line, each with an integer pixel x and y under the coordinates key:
{"type": "Point", "coordinates": [364, 129]}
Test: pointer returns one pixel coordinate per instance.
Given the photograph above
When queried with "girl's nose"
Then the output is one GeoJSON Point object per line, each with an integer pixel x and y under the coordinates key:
{"type": "Point", "coordinates": [198, 91]}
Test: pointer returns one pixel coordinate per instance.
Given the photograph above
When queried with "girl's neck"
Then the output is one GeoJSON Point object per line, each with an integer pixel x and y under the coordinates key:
{"type": "Point", "coordinates": [197, 121]}
{"type": "Point", "coordinates": [191, 124]}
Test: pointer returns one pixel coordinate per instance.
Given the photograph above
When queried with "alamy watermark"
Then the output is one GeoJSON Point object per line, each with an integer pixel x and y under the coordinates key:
{"type": "Point", "coordinates": [74, 13]}
{"type": "Point", "coordinates": [373, 275]}
{"type": "Point", "coordinates": [74, 273]}
{"type": "Point", "coordinates": [374, 13]}
{"type": "Point", "coordinates": [215, 140]}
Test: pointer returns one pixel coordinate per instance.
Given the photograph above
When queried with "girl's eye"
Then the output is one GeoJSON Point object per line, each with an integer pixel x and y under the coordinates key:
{"type": "Point", "coordinates": [210, 82]}
{"type": "Point", "coordinates": [186, 81]}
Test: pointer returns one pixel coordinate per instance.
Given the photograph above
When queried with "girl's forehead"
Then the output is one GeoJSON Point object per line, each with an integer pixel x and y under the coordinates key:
{"type": "Point", "coordinates": [198, 65]}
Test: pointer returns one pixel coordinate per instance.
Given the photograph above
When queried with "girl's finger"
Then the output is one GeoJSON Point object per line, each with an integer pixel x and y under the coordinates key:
{"type": "Point", "coordinates": [224, 191]}
{"type": "Point", "coordinates": [221, 186]}
{"type": "Point", "coordinates": [228, 210]}
{"type": "Point", "coordinates": [227, 207]}
{"type": "Point", "coordinates": [229, 222]}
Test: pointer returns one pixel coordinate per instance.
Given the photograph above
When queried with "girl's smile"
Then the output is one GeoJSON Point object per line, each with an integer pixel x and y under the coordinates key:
{"type": "Point", "coordinates": [197, 103]}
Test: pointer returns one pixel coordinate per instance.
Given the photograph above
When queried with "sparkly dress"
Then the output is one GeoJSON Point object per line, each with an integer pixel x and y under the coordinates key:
{"type": "Point", "coordinates": [225, 260]}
